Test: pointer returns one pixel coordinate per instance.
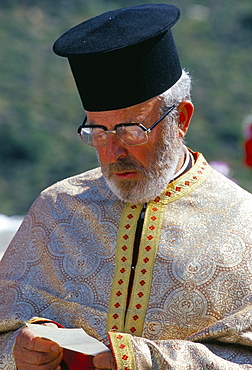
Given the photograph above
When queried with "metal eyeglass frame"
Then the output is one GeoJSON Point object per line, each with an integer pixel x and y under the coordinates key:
{"type": "Point", "coordinates": [146, 130]}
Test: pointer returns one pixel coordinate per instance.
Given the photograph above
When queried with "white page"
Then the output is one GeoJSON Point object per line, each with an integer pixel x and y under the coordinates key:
{"type": "Point", "coordinates": [74, 339]}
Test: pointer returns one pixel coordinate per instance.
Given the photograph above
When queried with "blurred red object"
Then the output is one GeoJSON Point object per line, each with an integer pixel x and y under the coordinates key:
{"type": "Point", "coordinates": [248, 145]}
{"type": "Point", "coordinates": [76, 361]}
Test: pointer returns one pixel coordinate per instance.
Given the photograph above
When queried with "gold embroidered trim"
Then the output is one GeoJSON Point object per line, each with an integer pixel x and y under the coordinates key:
{"type": "Point", "coordinates": [134, 317]}
{"type": "Point", "coordinates": [124, 251]}
{"type": "Point", "coordinates": [143, 274]}
{"type": "Point", "coordinates": [187, 182]}
{"type": "Point", "coordinates": [123, 351]}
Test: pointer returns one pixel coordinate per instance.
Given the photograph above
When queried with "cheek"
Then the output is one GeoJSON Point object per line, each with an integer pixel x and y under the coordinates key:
{"type": "Point", "coordinates": [142, 154]}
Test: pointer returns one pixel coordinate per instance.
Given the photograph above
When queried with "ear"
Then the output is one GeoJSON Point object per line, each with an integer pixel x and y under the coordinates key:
{"type": "Point", "coordinates": [185, 109]}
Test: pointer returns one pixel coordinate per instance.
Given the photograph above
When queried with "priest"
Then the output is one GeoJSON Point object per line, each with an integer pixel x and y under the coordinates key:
{"type": "Point", "coordinates": [151, 253]}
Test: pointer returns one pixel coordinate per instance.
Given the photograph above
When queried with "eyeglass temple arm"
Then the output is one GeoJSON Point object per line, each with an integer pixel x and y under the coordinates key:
{"type": "Point", "coordinates": [162, 117]}
{"type": "Point", "coordinates": [81, 126]}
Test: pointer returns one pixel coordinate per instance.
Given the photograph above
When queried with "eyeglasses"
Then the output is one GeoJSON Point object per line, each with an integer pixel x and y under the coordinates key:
{"type": "Point", "coordinates": [127, 133]}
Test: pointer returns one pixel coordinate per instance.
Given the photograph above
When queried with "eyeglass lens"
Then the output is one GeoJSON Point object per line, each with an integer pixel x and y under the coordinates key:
{"type": "Point", "coordinates": [128, 135]}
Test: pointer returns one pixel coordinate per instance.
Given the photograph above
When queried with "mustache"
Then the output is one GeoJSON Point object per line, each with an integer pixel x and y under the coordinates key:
{"type": "Point", "coordinates": [126, 165]}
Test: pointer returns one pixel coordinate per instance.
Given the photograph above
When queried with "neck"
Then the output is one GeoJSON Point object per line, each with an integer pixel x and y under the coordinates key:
{"type": "Point", "coordinates": [183, 163]}
{"type": "Point", "coordinates": [183, 158]}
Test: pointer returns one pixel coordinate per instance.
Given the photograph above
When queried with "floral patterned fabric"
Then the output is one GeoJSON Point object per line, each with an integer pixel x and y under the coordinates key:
{"type": "Point", "coordinates": [190, 304]}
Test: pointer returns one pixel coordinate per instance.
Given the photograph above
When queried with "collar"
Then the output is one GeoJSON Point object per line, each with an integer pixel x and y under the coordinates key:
{"type": "Point", "coordinates": [186, 166]}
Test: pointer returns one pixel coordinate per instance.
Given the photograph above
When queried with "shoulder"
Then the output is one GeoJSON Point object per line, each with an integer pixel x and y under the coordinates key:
{"type": "Point", "coordinates": [81, 186]}
{"type": "Point", "coordinates": [227, 187]}
{"type": "Point", "coordinates": [223, 193]}
{"type": "Point", "coordinates": [62, 199]}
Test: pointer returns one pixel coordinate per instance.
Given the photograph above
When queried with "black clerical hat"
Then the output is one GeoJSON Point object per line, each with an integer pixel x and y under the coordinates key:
{"type": "Point", "coordinates": [122, 57]}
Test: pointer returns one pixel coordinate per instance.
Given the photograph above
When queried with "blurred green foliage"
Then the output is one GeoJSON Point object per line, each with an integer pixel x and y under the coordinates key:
{"type": "Point", "coordinates": [40, 109]}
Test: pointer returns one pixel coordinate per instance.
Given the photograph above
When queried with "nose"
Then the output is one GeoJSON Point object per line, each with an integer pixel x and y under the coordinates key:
{"type": "Point", "coordinates": [114, 149]}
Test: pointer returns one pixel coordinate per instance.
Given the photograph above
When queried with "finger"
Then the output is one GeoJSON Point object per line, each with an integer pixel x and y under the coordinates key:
{"type": "Point", "coordinates": [35, 357]}
{"type": "Point", "coordinates": [26, 359]}
{"type": "Point", "coordinates": [50, 324]}
{"type": "Point", "coordinates": [27, 339]}
{"type": "Point", "coordinates": [30, 351]}
{"type": "Point", "coordinates": [104, 361]}
{"type": "Point", "coordinates": [25, 364]}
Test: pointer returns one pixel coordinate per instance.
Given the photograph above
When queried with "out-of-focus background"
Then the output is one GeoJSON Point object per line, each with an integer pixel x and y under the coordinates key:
{"type": "Point", "coordinates": [40, 109]}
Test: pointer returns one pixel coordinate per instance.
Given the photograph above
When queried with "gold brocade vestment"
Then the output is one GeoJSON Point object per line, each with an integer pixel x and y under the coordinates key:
{"type": "Point", "coordinates": [70, 262]}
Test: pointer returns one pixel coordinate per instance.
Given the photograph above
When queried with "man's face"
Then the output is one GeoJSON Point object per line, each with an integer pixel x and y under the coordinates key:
{"type": "Point", "coordinates": [137, 174]}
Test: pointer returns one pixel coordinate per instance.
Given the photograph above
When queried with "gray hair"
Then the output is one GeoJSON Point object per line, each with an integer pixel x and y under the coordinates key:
{"type": "Point", "coordinates": [180, 91]}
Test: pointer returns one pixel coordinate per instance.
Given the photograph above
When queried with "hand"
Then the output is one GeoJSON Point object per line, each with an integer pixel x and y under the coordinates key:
{"type": "Point", "coordinates": [31, 352]}
{"type": "Point", "coordinates": [104, 361]}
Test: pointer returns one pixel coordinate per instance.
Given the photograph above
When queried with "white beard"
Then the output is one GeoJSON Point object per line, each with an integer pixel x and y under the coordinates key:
{"type": "Point", "coordinates": [155, 179]}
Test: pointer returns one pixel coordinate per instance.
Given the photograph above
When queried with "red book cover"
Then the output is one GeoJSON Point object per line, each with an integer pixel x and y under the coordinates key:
{"type": "Point", "coordinates": [76, 361]}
